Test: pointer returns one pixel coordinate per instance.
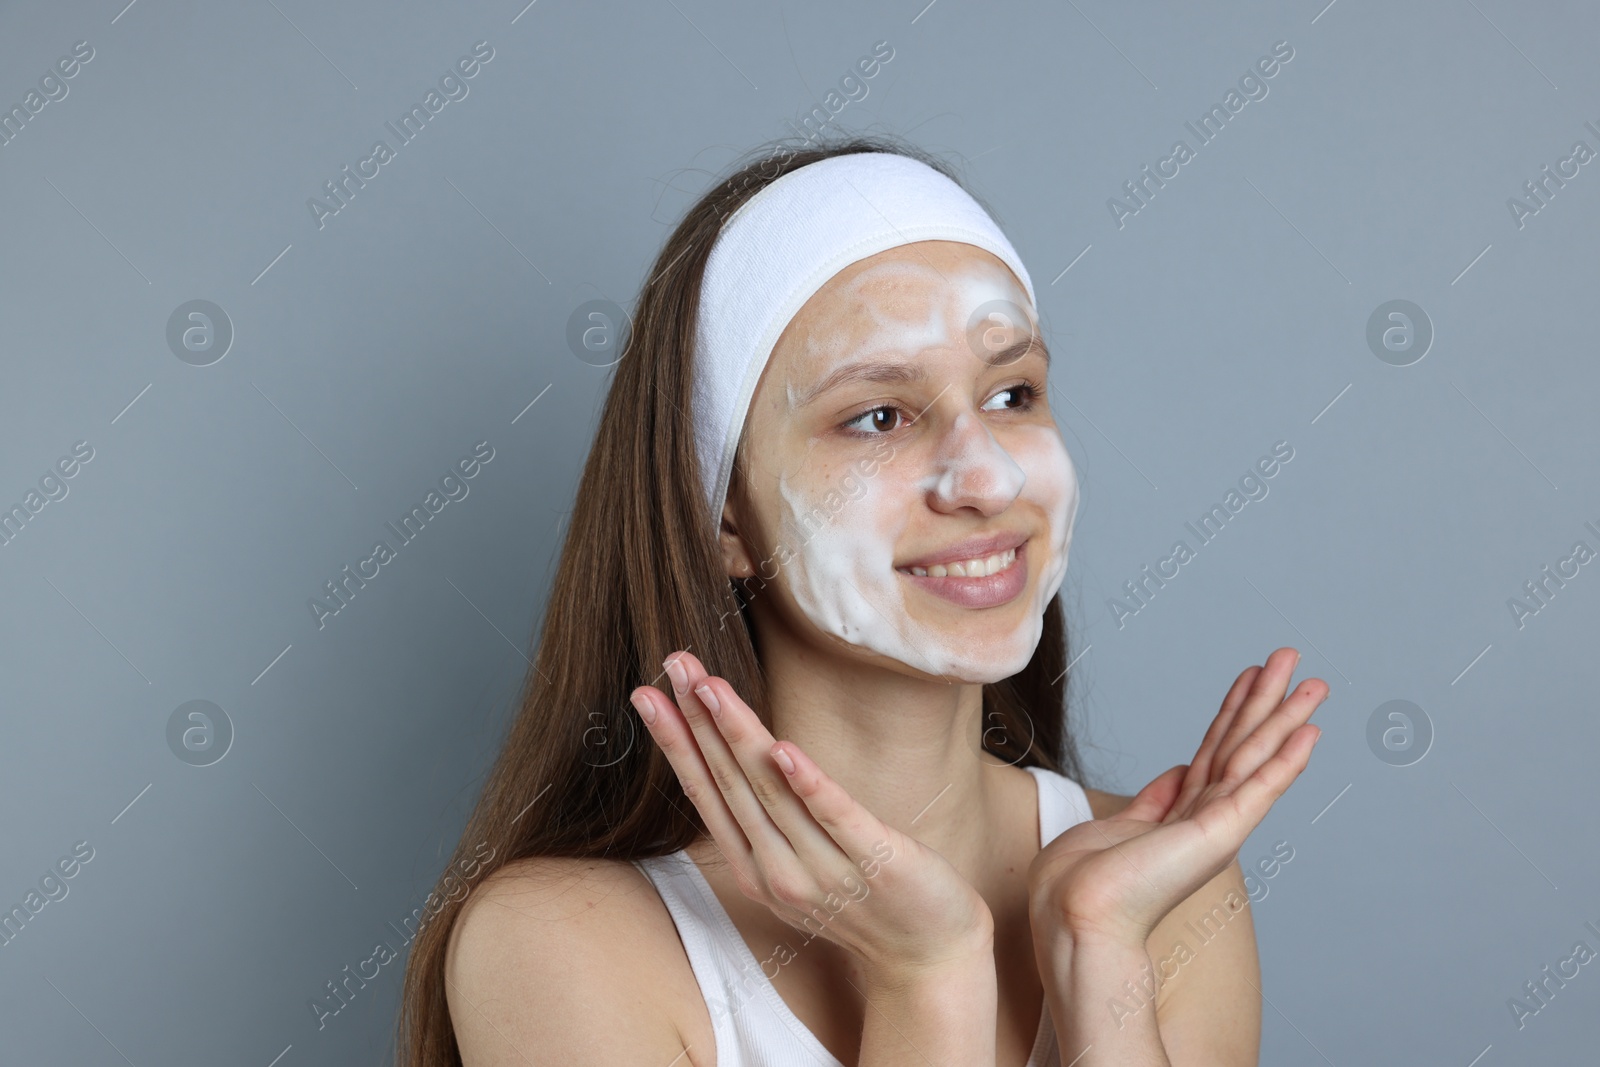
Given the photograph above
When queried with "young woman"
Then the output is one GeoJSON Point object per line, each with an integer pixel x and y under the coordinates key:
{"type": "Point", "coordinates": [828, 503]}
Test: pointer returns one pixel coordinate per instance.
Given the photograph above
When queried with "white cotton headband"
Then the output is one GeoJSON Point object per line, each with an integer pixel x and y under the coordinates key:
{"type": "Point", "coordinates": [781, 246]}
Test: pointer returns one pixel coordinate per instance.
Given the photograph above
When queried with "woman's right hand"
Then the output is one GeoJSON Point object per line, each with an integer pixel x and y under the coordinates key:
{"type": "Point", "coordinates": [801, 845]}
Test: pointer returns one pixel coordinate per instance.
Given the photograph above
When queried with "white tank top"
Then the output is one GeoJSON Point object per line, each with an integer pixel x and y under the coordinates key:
{"type": "Point", "coordinates": [752, 1024]}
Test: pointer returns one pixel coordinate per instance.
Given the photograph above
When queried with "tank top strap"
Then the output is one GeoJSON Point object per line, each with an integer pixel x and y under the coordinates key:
{"type": "Point", "coordinates": [1062, 804]}
{"type": "Point", "coordinates": [698, 926]}
{"type": "Point", "coordinates": [752, 1025]}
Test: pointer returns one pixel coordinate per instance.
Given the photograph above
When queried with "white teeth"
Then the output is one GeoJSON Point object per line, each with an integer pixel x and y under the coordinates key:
{"type": "Point", "coordinates": [972, 568]}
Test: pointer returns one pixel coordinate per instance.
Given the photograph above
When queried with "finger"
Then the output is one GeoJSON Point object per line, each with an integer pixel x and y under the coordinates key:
{"type": "Point", "coordinates": [1201, 764]}
{"type": "Point", "coordinates": [753, 747]}
{"type": "Point", "coordinates": [1270, 735]}
{"type": "Point", "coordinates": [1237, 814]}
{"type": "Point", "coordinates": [858, 833]}
{"type": "Point", "coordinates": [1266, 693]}
{"type": "Point", "coordinates": [1199, 774]}
{"type": "Point", "coordinates": [1152, 802]}
{"type": "Point", "coordinates": [771, 848]}
{"type": "Point", "coordinates": [677, 743]}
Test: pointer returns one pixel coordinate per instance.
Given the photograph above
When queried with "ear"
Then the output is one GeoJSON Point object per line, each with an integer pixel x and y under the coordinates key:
{"type": "Point", "coordinates": [738, 558]}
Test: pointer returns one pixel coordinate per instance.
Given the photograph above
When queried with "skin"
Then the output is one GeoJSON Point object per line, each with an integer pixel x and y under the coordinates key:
{"type": "Point", "coordinates": [970, 929]}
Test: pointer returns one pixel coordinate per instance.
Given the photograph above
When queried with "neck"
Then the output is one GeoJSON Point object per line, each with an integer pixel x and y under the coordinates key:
{"type": "Point", "coordinates": [907, 748]}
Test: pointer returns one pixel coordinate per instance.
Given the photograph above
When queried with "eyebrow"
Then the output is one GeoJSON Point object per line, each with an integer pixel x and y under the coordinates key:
{"type": "Point", "coordinates": [911, 373]}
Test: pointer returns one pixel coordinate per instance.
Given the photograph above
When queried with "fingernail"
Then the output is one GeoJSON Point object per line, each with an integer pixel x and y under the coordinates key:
{"type": "Point", "coordinates": [783, 760]}
{"type": "Point", "coordinates": [710, 700]}
{"type": "Point", "coordinates": [679, 676]}
{"type": "Point", "coordinates": [644, 708]}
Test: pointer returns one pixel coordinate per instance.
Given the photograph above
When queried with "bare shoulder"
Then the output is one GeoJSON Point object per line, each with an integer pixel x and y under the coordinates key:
{"type": "Point", "coordinates": [1104, 805]}
{"type": "Point", "coordinates": [1205, 948]}
{"type": "Point", "coordinates": [570, 961]}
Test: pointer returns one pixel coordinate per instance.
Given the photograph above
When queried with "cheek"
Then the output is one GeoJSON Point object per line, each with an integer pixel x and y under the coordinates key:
{"type": "Point", "coordinates": [1052, 482]}
{"type": "Point", "coordinates": [840, 569]}
{"type": "Point", "coordinates": [840, 522]}
{"type": "Point", "coordinates": [875, 521]}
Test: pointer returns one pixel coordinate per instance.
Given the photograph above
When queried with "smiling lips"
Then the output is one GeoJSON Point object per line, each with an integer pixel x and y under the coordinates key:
{"type": "Point", "coordinates": [979, 582]}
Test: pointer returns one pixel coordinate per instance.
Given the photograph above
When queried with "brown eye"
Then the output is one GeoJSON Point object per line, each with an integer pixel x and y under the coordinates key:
{"type": "Point", "coordinates": [878, 420]}
{"type": "Point", "coordinates": [1021, 394]}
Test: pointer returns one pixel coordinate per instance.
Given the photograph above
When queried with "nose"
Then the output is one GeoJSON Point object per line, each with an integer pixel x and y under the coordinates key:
{"type": "Point", "coordinates": [971, 470]}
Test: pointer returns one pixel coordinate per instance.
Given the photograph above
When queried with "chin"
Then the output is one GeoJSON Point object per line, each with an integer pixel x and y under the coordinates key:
{"type": "Point", "coordinates": [963, 656]}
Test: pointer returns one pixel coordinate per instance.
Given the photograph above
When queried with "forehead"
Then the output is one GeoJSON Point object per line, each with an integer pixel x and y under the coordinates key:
{"type": "Point", "coordinates": [902, 299]}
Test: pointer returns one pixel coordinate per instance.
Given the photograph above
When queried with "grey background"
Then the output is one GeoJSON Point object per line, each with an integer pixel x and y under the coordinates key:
{"type": "Point", "coordinates": [370, 355]}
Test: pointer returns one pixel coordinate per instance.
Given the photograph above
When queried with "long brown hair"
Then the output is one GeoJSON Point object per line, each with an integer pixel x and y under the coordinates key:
{"type": "Point", "coordinates": [640, 576]}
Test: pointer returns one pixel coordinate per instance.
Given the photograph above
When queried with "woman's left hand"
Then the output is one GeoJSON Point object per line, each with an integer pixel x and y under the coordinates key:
{"type": "Point", "coordinates": [1114, 879]}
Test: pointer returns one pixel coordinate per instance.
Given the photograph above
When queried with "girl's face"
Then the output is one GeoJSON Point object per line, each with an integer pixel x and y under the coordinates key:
{"type": "Point", "coordinates": [898, 434]}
